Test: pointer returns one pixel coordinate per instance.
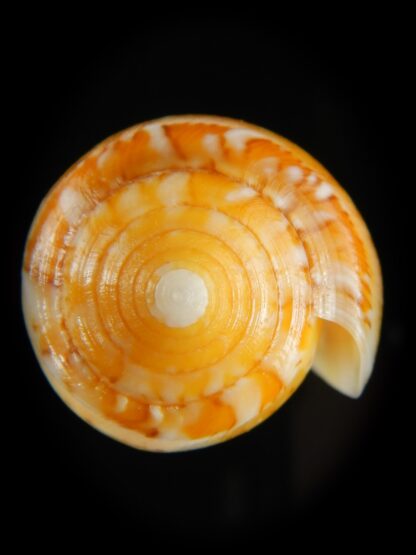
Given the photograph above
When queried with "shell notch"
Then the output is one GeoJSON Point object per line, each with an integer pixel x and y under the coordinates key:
{"type": "Point", "coordinates": [183, 277]}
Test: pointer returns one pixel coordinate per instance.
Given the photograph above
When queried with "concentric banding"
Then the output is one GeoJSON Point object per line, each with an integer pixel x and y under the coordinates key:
{"type": "Point", "coordinates": [177, 278]}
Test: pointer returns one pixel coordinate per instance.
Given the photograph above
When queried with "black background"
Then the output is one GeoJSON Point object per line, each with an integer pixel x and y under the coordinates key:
{"type": "Point", "coordinates": [323, 462]}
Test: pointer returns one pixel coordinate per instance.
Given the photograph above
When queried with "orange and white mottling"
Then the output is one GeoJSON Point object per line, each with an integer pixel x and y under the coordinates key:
{"type": "Point", "coordinates": [281, 275]}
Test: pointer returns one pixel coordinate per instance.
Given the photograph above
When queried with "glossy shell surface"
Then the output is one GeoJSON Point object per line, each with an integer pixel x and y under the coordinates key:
{"type": "Point", "coordinates": [181, 279]}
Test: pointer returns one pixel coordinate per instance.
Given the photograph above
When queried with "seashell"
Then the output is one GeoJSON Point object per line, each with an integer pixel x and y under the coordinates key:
{"type": "Point", "coordinates": [183, 277]}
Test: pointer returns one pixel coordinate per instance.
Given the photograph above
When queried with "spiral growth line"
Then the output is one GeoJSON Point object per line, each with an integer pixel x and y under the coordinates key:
{"type": "Point", "coordinates": [183, 277]}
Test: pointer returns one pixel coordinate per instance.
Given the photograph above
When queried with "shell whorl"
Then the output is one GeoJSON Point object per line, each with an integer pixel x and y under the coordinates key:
{"type": "Point", "coordinates": [182, 278]}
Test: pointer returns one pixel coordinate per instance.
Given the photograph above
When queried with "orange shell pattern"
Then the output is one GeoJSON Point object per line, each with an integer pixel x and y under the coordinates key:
{"type": "Point", "coordinates": [126, 240]}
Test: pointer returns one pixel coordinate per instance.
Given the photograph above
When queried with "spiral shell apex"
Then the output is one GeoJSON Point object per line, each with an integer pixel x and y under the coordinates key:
{"type": "Point", "coordinates": [182, 278]}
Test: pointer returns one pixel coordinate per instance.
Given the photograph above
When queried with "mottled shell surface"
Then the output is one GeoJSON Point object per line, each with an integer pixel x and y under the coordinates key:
{"type": "Point", "coordinates": [183, 277]}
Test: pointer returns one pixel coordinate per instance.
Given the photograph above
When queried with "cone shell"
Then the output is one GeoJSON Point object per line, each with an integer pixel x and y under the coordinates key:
{"type": "Point", "coordinates": [182, 278]}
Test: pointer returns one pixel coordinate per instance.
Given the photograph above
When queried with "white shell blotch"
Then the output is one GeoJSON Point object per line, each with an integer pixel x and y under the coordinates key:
{"type": "Point", "coordinates": [181, 298]}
